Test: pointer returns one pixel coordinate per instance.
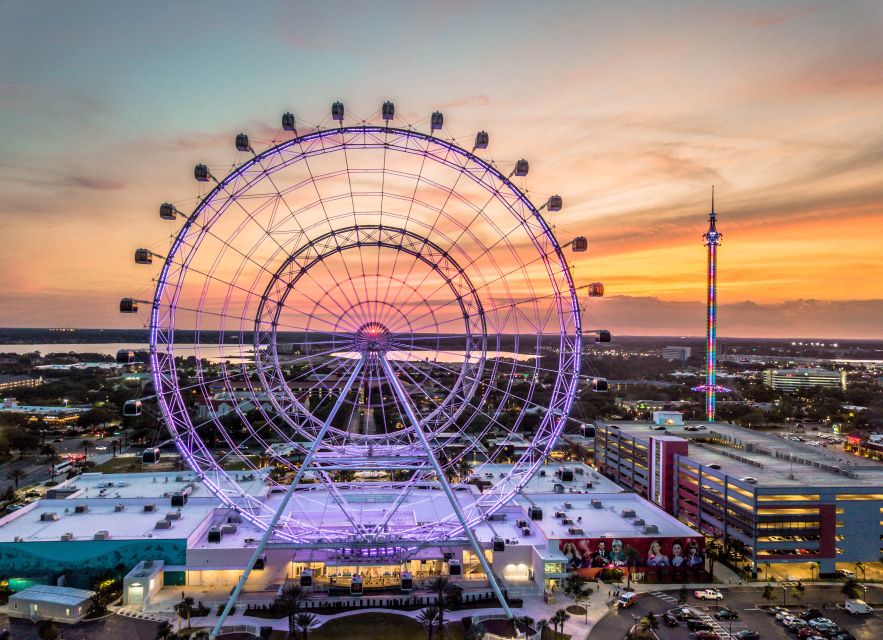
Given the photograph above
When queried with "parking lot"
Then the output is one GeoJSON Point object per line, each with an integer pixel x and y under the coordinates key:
{"type": "Point", "coordinates": [747, 602]}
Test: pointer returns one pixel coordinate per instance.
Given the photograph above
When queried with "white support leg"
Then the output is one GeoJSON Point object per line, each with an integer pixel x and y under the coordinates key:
{"type": "Point", "coordinates": [406, 403]}
{"type": "Point", "coordinates": [288, 494]}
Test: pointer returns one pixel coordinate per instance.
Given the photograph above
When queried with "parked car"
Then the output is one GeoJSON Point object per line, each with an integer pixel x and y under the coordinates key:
{"type": "Point", "coordinates": [669, 620]}
{"type": "Point", "coordinates": [705, 635]}
{"type": "Point", "coordinates": [806, 632]}
{"type": "Point", "coordinates": [843, 635]}
{"type": "Point", "coordinates": [811, 614]}
{"type": "Point", "coordinates": [726, 614]}
{"type": "Point", "coordinates": [708, 594]}
{"type": "Point", "coordinates": [746, 634]}
{"type": "Point", "coordinates": [698, 625]}
{"type": "Point", "coordinates": [815, 623]}
{"type": "Point", "coordinates": [783, 615]}
{"type": "Point", "coordinates": [795, 624]}
{"type": "Point", "coordinates": [686, 613]}
{"type": "Point", "coordinates": [830, 631]}
{"type": "Point", "coordinates": [775, 610]}
{"type": "Point", "coordinates": [846, 573]}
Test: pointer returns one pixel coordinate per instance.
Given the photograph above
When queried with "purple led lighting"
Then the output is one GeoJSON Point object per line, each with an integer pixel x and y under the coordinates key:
{"type": "Point", "coordinates": [300, 151]}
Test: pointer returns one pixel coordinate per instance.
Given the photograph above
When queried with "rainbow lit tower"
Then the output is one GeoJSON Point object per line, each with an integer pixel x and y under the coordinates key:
{"type": "Point", "coordinates": [712, 239]}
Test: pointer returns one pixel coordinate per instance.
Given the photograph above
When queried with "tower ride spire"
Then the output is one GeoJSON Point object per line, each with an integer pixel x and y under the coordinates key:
{"type": "Point", "coordinates": [712, 239]}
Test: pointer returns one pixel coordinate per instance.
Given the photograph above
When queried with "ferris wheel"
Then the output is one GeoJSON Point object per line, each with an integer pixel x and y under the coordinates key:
{"type": "Point", "coordinates": [372, 310]}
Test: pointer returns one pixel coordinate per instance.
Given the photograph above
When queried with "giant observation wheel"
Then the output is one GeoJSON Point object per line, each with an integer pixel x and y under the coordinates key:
{"type": "Point", "coordinates": [373, 311]}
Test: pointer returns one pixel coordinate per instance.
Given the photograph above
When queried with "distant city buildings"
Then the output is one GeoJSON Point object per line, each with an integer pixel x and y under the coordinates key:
{"type": "Point", "coordinates": [10, 382]}
{"type": "Point", "coordinates": [794, 379]}
{"type": "Point", "coordinates": [679, 354]}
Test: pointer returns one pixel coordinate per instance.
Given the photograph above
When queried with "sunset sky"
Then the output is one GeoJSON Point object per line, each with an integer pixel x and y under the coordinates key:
{"type": "Point", "coordinates": [629, 110]}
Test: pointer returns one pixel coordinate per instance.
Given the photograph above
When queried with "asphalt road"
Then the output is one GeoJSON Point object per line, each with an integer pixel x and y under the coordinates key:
{"type": "Point", "coordinates": [37, 470]}
{"type": "Point", "coordinates": [745, 601]}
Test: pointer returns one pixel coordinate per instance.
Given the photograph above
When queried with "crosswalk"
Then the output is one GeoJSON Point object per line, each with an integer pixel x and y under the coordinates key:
{"type": "Point", "coordinates": [704, 616]}
{"type": "Point", "coordinates": [665, 597]}
{"type": "Point", "coordinates": [140, 615]}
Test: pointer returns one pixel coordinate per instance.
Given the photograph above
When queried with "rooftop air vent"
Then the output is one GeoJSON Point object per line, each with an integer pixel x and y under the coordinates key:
{"type": "Point", "coordinates": [597, 503]}
{"type": "Point", "coordinates": [173, 515]}
{"type": "Point", "coordinates": [49, 516]}
{"type": "Point", "coordinates": [575, 531]}
{"type": "Point", "coordinates": [119, 507]}
{"type": "Point", "coordinates": [149, 508]}
{"type": "Point", "coordinates": [67, 537]}
{"type": "Point", "coordinates": [102, 535]}
{"type": "Point", "coordinates": [163, 524]}
{"type": "Point", "coordinates": [628, 513]}
{"type": "Point", "coordinates": [651, 528]}
{"type": "Point", "coordinates": [639, 522]}
{"type": "Point", "coordinates": [81, 508]}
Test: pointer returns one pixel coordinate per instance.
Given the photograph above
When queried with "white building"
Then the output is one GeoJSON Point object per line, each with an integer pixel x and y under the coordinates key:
{"type": "Point", "coordinates": [46, 602]}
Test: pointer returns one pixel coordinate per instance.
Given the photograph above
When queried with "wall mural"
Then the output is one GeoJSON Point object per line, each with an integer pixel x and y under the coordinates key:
{"type": "Point", "coordinates": [84, 558]}
{"type": "Point", "coordinates": [599, 553]}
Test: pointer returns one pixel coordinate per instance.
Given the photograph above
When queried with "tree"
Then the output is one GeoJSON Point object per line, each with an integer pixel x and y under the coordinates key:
{"type": "Point", "coordinates": [428, 617]}
{"type": "Point", "coordinates": [16, 475]}
{"type": "Point", "coordinates": [441, 586]}
{"type": "Point", "coordinates": [860, 567]}
{"type": "Point", "coordinates": [798, 590]}
{"type": "Point", "coordinates": [652, 620]}
{"type": "Point", "coordinates": [305, 622]}
{"type": "Point", "coordinates": [288, 603]}
{"type": "Point", "coordinates": [768, 593]}
{"type": "Point", "coordinates": [766, 566]}
{"type": "Point", "coordinates": [184, 609]}
{"type": "Point", "coordinates": [561, 616]}
{"type": "Point", "coordinates": [815, 568]}
{"type": "Point", "coordinates": [631, 558]}
{"type": "Point", "coordinates": [850, 588]}
{"type": "Point", "coordinates": [84, 445]}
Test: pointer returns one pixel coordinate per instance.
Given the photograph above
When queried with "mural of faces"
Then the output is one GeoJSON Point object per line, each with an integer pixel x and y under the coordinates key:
{"type": "Point", "coordinates": [583, 553]}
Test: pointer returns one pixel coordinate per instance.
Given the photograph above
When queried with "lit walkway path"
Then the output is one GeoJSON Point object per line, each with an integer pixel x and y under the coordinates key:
{"type": "Point", "coordinates": [533, 606]}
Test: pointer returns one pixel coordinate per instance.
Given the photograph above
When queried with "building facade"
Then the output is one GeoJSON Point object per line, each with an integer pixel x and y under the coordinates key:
{"type": "Point", "coordinates": [794, 379]}
{"type": "Point", "coordinates": [773, 500]}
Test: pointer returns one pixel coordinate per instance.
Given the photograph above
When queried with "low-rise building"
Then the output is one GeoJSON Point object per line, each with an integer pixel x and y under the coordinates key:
{"type": "Point", "coordinates": [47, 602]}
{"type": "Point", "coordinates": [777, 500]}
{"type": "Point", "coordinates": [794, 379]}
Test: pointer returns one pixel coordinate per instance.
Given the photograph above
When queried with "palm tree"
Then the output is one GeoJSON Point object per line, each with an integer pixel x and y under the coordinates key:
{"type": "Point", "coordinates": [428, 617]}
{"type": "Point", "coordinates": [860, 566]}
{"type": "Point", "coordinates": [767, 567]}
{"type": "Point", "coordinates": [184, 609]}
{"type": "Point", "coordinates": [815, 568]}
{"type": "Point", "coordinates": [542, 625]}
{"type": "Point", "coordinates": [288, 603]}
{"type": "Point", "coordinates": [305, 622]}
{"type": "Point", "coordinates": [84, 445]}
{"type": "Point", "coordinates": [631, 558]}
{"type": "Point", "coordinates": [561, 616]}
{"type": "Point", "coordinates": [441, 586]}
{"type": "Point", "coordinates": [16, 475]}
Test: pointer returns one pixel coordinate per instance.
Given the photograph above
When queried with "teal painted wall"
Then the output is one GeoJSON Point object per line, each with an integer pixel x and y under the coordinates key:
{"type": "Point", "coordinates": [84, 558]}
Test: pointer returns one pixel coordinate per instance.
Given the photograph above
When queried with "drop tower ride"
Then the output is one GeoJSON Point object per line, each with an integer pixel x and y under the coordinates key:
{"type": "Point", "coordinates": [712, 239]}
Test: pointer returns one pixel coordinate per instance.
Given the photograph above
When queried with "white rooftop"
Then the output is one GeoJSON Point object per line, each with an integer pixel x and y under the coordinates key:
{"type": "Point", "coordinates": [52, 594]}
{"type": "Point", "coordinates": [131, 523]}
{"type": "Point", "coordinates": [606, 521]}
{"type": "Point", "coordinates": [161, 484]}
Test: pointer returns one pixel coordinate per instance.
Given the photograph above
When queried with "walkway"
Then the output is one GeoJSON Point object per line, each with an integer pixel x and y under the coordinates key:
{"type": "Point", "coordinates": [534, 607]}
